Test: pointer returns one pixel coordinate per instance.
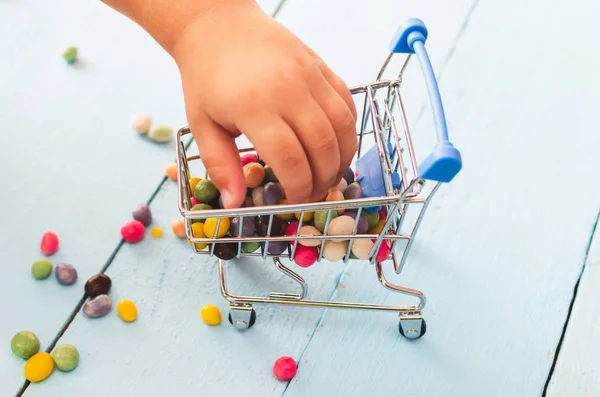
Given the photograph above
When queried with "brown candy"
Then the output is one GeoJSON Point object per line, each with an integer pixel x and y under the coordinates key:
{"type": "Point", "coordinates": [98, 284]}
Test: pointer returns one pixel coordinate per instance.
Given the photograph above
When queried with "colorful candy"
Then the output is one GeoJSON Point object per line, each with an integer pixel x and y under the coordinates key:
{"type": "Point", "coordinates": [341, 226]}
{"type": "Point", "coordinates": [353, 191]}
{"type": "Point", "coordinates": [248, 227]}
{"type": "Point", "coordinates": [335, 251]}
{"type": "Point", "coordinates": [65, 357]}
{"type": "Point", "coordinates": [41, 269]}
{"type": "Point", "coordinates": [70, 55]}
{"type": "Point", "coordinates": [349, 176]}
{"type": "Point", "coordinates": [65, 274]}
{"type": "Point", "coordinates": [25, 344]}
{"type": "Point", "coordinates": [258, 196]}
{"type": "Point", "coordinates": [210, 227]}
{"type": "Point", "coordinates": [378, 228]}
{"type": "Point", "coordinates": [384, 251]}
{"type": "Point", "coordinates": [306, 256]}
{"type": "Point", "coordinates": [133, 231]}
{"type": "Point", "coordinates": [363, 225]}
{"type": "Point", "coordinates": [226, 251]}
{"type": "Point", "coordinates": [248, 158]}
{"type": "Point", "coordinates": [198, 232]}
{"type": "Point", "coordinates": [272, 194]}
{"type": "Point", "coordinates": [284, 368]}
{"type": "Point", "coordinates": [342, 185]}
{"type": "Point", "coordinates": [49, 243]}
{"type": "Point", "coordinates": [286, 216]}
{"type": "Point", "coordinates": [98, 284]}
{"type": "Point", "coordinates": [39, 367]}
{"type": "Point", "coordinates": [320, 219]}
{"type": "Point", "coordinates": [160, 133]}
{"type": "Point", "coordinates": [371, 217]}
{"type": "Point", "coordinates": [251, 246]}
{"type": "Point", "coordinates": [277, 247]}
{"type": "Point", "coordinates": [205, 191]}
{"type": "Point", "coordinates": [335, 195]}
{"type": "Point", "coordinates": [171, 171]}
{"type": "Point", "coordinates": [262, 226]}
{"type": "Point", "coordinates": [178, 228]}
{"type": "Point", "coordinates": [142, 213]}
{"type": "Point", "coordinates": [361, 248]}
{"type": "Point", "coordinates": [98, 306]}
{"type": "Point", "coordinates": [308, 216]}
{"type": "Point", "coordinates": [269, 174]}
{"type": "Point", "coordinates": [308, 230]}
{"type": "Point", "coordinates": [210, 314]}
{"type": "Point", "coordinates": [156, 232]}
{"type": "Point", "coordinates": [193, 182]}
{"type": "Point", "coordinates": [141, 122]}
{"type": "Point", "coordinates": [254, 174]}
{"type": "Point", "coordinates": [194, 201]}
{"type": "Point", "coordinates": [127, 310]}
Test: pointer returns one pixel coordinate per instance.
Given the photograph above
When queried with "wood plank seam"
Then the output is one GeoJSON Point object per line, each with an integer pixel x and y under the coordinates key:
{"type": "Point", "coordinates": [571, 305]}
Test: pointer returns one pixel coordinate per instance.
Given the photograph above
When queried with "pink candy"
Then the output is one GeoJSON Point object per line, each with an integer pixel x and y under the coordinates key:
{"type": "Point", "coordinates": [305, 256]}
{"type": "Point", "coordinates": [49, 244]}
{"type": "Point", "coordinates": [194, 201]}
{"type": "Point", "coordinates": [249, 158]}
{"type": "Point", "coordinates": [292, 229]}
{"type": "Point", "coordinates": [284, 368]}
{"type": "Point", "coordinates": [384, 251]}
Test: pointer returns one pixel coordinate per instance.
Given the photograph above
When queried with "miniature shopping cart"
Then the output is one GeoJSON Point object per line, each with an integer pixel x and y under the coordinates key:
{"type": "Point", "coordinates": [387, 170]}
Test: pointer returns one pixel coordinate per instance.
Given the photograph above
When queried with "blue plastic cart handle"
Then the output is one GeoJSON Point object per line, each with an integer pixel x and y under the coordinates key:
{"type": "Point", "coordinates": [445, 161]}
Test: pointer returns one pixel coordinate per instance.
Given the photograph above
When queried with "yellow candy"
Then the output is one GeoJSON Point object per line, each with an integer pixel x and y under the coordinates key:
{"type": "Point", "coordinates": [198, 232]}
{"type": "Point", "coordinates": [378, 227]}
{"type": "Point", "coordinates": [127, 310]}
{"type": "Point", "coordinates": [156, 232]}
{"type": "Point", "coordinates": [194, 182]}
{"type": "Point", "coordinates": [286, 217]}
{"type": "Point", "coordinates": [308, 216]}
{"type": "Point", "coordinates": [210, 226]}
{"type": "Point", "coordinates": [39, 367]}
{"type": "Point", "coordinates": [211, 315]}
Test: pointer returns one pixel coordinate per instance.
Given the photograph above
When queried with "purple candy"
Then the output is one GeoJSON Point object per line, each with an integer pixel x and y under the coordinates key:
{"type": "Point", "coordinates": [247, 227]}
{"type": "Point", "coordinates": [353, 191]}
{"type": "Point", "coordinates": [272, 194]}
{"type": "Point", "coordinates": [277, 247]}
{"type": "Point", "coordinates": [363, 225]}
{"type": "Point", "coordinates": [262, 226]}
{"type": "Point", "coordinates": [349, 176]}
{"type": "Point", "coordinates": [142, 213]}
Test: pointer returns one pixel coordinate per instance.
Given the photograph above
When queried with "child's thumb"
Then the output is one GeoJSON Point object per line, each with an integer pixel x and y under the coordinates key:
{"type": "Point", "coordinates": [221, 158]}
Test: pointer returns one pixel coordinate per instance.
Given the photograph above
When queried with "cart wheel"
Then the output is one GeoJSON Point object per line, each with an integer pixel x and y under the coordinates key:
{"type": "Point", "coordinates": [409, 330]}
{"type": "Point", "coordinates": [244, 318]}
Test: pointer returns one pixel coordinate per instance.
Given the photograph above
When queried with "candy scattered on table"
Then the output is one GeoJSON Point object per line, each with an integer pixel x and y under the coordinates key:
{"type": "Point", "coordinates": [25, 344]}
{"type": "Point", "coordinates": [171, 171]}
{"type": "Point", "coordinates": [65, 274]}
{"type": "Point", "coordinates": [70, 55]}
{"type": "Point", "coordinates": [142, 213]}
{"type": "Point", "coordinates": [98, 306]}
{"type": "Point", "coordinates": [127, 310]}
{"type": "Point", "coordinates": [140, 122]}
{"type": "Point", "coordinates": [133, 231]}
{"type": "Point", "coordinates": [285, 368]}
{"type": "Point", "coordinates": [39, 367]}
{"type": "Point", "coordinates": [49, 243]}
{"type": "Point", "coordinates": [160, 133]}
{"type": "Point", "coordinates": [98, 284]}
{"type": "Point", "coordinates": [210, 314]}
{"type": "Point", "coordinates": [156, 232]}
{"type": "Point", "coordinates": [65, 357]}
{"type": "Point", "coordinates": [41, 269]}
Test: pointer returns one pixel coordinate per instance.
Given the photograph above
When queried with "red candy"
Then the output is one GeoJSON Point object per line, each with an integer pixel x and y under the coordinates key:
{"type": "Point", "coordinates": [249, 158]}
{"type": "Point", "coordinates": [284, 368]}
{"type": "Point", "coordinates": [133, 231]}
{"type": "Point", "coordinates": [305, 256]}
{"type": "Point", "coordinates": [49, 244]}
{"type": "Point", "coordinates": [292, 229]}
{"type": "Point", "coordinates": [382, 214]}
{"type": "Point", "coordinates": [194, 201]}
{"type": "Point", "coordinates": [384, 251]}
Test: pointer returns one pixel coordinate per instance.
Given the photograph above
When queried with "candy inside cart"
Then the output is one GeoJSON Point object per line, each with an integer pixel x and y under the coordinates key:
{"type": "Point", "coordinates": [372, 226]}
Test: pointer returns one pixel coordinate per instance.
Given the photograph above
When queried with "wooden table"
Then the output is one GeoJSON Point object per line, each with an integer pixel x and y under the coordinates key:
{"type": "Point", "coordinates": [507, 254]}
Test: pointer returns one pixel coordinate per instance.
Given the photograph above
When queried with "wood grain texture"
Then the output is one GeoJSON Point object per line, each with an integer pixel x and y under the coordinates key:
{"type": "Point", "coordinates": [577, 369]}
{"type": "Point", "coordinates": [69, 158]}
{"type": "Point", "coordinates": [500, 250]}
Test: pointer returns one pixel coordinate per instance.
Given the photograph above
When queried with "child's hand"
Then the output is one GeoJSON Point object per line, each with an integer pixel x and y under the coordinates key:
{"type": "Point", "coordinates": [244, 73]}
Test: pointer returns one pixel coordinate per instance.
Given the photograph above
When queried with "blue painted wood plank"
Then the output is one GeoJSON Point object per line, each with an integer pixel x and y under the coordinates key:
{"type": "Point", "coordinates": [71, 162]}
{"type": "Point", "coordinates": [500, 249]}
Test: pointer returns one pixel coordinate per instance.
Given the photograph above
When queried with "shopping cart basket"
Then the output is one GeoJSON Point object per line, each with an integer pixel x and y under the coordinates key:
{"type": "Point", "coordinates": [392, 183]}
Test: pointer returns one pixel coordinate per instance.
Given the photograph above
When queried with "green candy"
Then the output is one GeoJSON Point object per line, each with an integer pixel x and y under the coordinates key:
{"type": "Point", "coordinates": [66, 357]}
{"type": "Point", "coordinates": [205, 191]}
{"type": "Point", "coordinates": [321, 218]}
{"type": "Point", "coordinates": [250, 246]}
{"type": "Point", "coordinates": [160, 133]}
{"type": "Point", "coordinates": [70, 55]}
{"type": "Point", "coordinates": [41, 269]}
{"type": "Point", "coordinates": [371, 217]}
{"type": "Point", "coordinates": [25, 344]}
{"type": "Point", "coordinates": [200, 207]}
{"type": "Point", "coordinates": [269, 175]}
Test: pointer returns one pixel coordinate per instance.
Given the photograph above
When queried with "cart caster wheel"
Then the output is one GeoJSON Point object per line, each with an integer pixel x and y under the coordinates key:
{"type": "Point", "coordinates": [412, 328]}
{"type": "Point", "coordinates": [242, 318]}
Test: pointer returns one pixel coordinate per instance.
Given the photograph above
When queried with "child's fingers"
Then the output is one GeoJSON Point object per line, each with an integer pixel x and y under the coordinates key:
{"type": "Point", "coordinates": [277, 144]}
{"type": "Point", "coordinates": [222, 160]}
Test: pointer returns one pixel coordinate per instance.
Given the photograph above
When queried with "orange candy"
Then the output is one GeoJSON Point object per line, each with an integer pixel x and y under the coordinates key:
{"type": "Point", "coordinates": [171, 171]}
{"type": "Point", "coordinates": [178, 227]}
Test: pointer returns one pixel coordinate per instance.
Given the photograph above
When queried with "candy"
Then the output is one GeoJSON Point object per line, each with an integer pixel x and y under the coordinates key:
{"type": "Point", "coordinates": [248, 202]}
{"type": "Point", "coordinates": [210, 314]}
{"type": "Point", "coordinates": [210, 227]}
{"type": "Point", "coordinates": [262, 226]}
{"type": "Point", "coordinates": [201, 207]}
{"type": "Point", "coordinates": [171, 171]}
{"type": "Point", "coordinates": [193, 182]}
{"type": "Point", "coordinates": [284, 368]}
{"type": "Point", "coordinates": [194, 201]}
{"type": "Point", "coordinates": [133, 231]}
{"type": "Point", "coordinates": [378, 228]}
{"type": "Point", "coordinates": [66, 357]}
{"type": "Point", "coordinates": [353, 191]}
{"type": "Point", "coordinates": [258, 196]}
{"type": "Point", "coordinates": [248, 227]}
{"type": "Point", "coordinates": [286, 217]}
{"type": "Point", "coordinates": [277, 247]}
{"type": "Point", "coordinates": [371, 217]}
{"type": "Point", "coordinates": [321, 218]}
{"type": "Point", "coordinates": [292, 229]}
{"type": "Point", "coordinates": [335, 195]}
{"type": "Point", "coordinates": [271, 194]}
{"type": "Point", "coordinates": [248, 158]}
{"type": "Point", "coordinates": [308, 230]}
{"type": "Point", "coordinates": [65, 274]}
{"type": "Point", "coordinates": [98, 284]}
{"type": "Point", "coordinates": [363, 225]}
{"type": "Point", "coordinates": [251, 246]}
{"type": "Point", "coordinates": [160, 133]}
{"type": "Point", "coordinates": [305, 256]}
{"type": "Point", "coordinates": [178, 228]}
{"type": "Point", "coordinates": [141, 122]}
{"type": "Point", "coordinates": [127, 310]}
{"type": "Point", "coordinates": [41, 269]}
{"type": "Point", "coordinates": [142, 213]}
{"type": "Point", "coordinates": [361, 248]}
{"type": "Point", "coordinates": [25, 344]}
{"type": "Point", "coordinates": [49, 243]}
{"type": "Point", "coordinates": [342, 185]}
{"type": "Point", "coordinates": [335, 251]}
{"type": "Point", "coordinates": [384, 251]}
{"type": "Point", "coordinates": [254, 174]}
{"type": "Point", "coordinates": [269, 174]}
{"type": "Point", "coordinates": [156, 232]}
{"type": "Point", "coordinates": [341, 226]}
{"type": "Point", "coordinates": [226, 251]}
{"type": "Point", "coordinates": [205, 191]}
{"type": "Point", "coordinates": [308, 216]}
{"type": "Point", "coordinates": [382, 214]}
{"type": "Point", "coordinates": [349, 176]}
{"type": "Point", "coordinates": [98, 306]}
{"type": "Point", "coordinates": [39, 367]}
{"type": "Point", "coordinates": [198, 232]}
{"type": "Point", "coordinates": [70, 55]}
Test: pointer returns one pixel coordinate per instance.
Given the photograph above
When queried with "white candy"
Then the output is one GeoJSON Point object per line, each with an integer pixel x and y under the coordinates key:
{"type": "Point", "coordinates": [308, 230]}
{"type": "Point", "coordinates": [334, 251]}
{"type": "Point", "coordinates": [257, 196]}
{"type": "Point", "coordinates": [341, 226]}
{"type": "Point", "coordinates": [140, 122]}
{"type": "Point", "coordinates": [361, 248]}
{"type": "Point", "coordinates": [342, 185]}
{"type": "Point", "coordinates": [160, 133]}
